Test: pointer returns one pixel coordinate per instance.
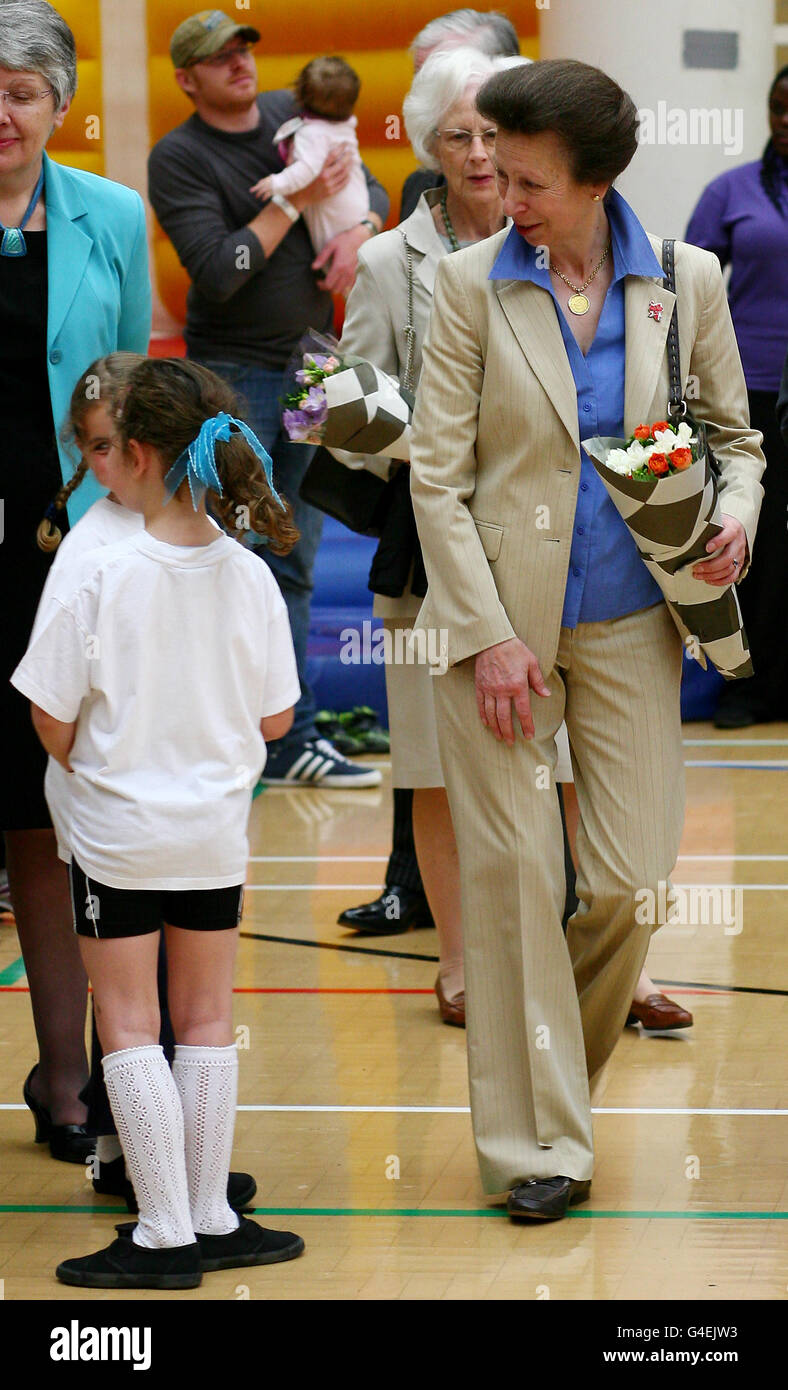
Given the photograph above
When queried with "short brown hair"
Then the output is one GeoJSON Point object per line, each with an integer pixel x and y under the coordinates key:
{"type": "Point", "coordinates": [329, 87]}
{"type": "Point", "coordinates": [593, 117]}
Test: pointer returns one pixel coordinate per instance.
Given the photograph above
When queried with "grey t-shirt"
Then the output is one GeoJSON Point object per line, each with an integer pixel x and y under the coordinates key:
{"type": "Point", "coordinates": [241, 306]}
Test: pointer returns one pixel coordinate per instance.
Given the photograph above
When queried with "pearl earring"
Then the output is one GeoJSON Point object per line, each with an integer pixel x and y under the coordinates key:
{"type": "Point", "coordinates": [596, 198]}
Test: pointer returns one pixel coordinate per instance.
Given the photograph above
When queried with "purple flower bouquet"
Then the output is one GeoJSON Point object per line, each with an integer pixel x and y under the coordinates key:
{"type": "Point", "coordinates": [344, 403]}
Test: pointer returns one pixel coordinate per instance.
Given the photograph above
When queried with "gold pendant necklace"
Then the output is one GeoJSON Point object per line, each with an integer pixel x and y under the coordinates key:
{"type": "Point", "coordinates": [579, 303]}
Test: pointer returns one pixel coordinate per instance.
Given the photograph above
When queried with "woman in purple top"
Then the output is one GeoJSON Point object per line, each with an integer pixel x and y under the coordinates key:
{"type": "Point", "coordinates": [743, 217]}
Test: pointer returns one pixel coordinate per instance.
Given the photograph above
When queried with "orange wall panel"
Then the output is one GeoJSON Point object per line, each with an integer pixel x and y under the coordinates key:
{"type": "Point", "coordinates": [75, 142]}
{"type": "Point", "coordinates": [329, 27]}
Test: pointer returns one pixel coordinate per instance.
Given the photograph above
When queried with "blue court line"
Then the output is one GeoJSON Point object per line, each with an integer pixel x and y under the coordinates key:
{"type": "Point", "coordinates": [734, 763]}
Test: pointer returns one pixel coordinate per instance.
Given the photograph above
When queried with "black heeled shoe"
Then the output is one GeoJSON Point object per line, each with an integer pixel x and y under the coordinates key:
{"type": "Point", "coordinates": [397, 910]}
{"type": "Point", "coordinates": [68, 1143]}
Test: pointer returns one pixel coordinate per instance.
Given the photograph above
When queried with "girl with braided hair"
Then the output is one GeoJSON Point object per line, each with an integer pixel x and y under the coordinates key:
{"type": "Point", "coordinates": [156, 681]}
{"type": "Point", "coordinates": [96, 398]}
{"type": "Point", "coordinates": [743, 217]}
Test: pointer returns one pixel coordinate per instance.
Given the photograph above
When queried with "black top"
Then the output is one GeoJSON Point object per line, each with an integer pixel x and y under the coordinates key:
{"type": "Point", "coordinates": [29, 478]}
{"type": "Point", "coordinates": [241, 305]}
{"type": "Point", "coordinates": [25, 406]}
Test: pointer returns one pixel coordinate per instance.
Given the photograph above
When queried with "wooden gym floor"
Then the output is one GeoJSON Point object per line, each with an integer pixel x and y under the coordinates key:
{"type": "Point", "coordinates": [353, 1096]}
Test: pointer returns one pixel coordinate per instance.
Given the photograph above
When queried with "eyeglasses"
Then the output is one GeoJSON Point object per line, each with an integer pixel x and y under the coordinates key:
{"type": "Point", "coordinates": [219, 60]}
{"type": "Point", "coordinates": [463, 139]}
{"type": "Point", "coordinates": [20, 97]}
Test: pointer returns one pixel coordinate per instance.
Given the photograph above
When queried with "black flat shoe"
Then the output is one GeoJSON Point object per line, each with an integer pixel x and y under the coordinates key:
{"type": "Point", "coordinates": [396, 910]}
{"type": "Point", "coordinates": [546, 1199]}
{"type": "Point", "coordinates": [249, 1245]}
{"type": "Point", "coordinates": [738, 712]}
{"type": "Point", "coordinates": [124, 1265]}
{"type": "Point", "coordinates": [112, 1182]}
{"type": "Point", "coordinates": [68, 1143]}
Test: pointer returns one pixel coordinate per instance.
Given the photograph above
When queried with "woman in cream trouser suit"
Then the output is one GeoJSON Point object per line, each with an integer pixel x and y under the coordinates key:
{"type": "Point", "coordinates": [496, 471]}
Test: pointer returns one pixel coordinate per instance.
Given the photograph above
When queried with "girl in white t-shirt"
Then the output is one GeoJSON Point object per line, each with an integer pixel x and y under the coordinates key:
{"type": "Point", "coordinates": [155, 682]}
{"type": "Point", "coordinates": [91, 428]}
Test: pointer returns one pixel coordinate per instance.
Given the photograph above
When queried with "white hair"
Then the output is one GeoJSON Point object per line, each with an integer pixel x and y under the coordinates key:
{"type": "Point", "coordinates": [35, 38]}
{"type": "Point", "coordinates": [440, 84]}
{"type": "Point", "coordinates": [488, 30]}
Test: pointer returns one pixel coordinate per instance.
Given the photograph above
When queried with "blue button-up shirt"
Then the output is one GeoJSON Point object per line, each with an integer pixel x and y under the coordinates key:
{"type": "Point", "coordinates": [607, 577]}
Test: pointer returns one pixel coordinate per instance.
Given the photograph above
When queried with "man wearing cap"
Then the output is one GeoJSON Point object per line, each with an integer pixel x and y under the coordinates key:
{"type": "Point", "coordinates": [254, 291]}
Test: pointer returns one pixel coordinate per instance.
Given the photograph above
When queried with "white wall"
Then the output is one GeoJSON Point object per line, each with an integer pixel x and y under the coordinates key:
{"type": "Point", "coordinates": [124, 52]}
{"type": "Point", "coordinates": [639, 43]}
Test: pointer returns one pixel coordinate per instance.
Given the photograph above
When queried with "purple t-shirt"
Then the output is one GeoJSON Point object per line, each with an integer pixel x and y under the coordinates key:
{"type": "Point", "coordinates": [735, 219]}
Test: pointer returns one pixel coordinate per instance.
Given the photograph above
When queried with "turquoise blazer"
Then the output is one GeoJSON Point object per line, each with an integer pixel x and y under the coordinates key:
{"type": "Point", "coordinates": [99, 290]}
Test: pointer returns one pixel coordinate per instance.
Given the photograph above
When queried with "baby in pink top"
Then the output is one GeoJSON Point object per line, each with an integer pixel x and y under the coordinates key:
{"type": "Point", "coordinates": [326, 91]}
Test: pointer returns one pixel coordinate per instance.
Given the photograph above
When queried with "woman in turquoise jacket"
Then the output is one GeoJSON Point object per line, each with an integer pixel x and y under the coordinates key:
{"type": "Point", "coordinates": [74, 285]}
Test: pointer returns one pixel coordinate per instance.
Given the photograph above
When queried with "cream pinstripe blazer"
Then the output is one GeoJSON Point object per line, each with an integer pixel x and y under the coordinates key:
{"type": "Point", "coordinates": [495, 462]}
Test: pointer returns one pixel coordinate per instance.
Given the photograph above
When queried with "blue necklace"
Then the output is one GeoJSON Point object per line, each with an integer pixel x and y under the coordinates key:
{"type": "Point", "coordinates": [13, 242]}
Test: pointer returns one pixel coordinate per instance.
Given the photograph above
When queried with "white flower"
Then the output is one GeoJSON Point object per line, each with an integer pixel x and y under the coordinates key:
{"type": "Point", "coordinates": [665, 440]}
{"type": "Point", "coordinates": [619, 461]}
{"type": "Point", "coordinates": [636, 454]}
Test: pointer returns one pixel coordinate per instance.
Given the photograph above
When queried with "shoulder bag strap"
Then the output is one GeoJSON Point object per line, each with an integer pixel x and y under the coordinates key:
{"type": "Point", "coordinates": [677, 406]}
{"type": "Point", "coordinates": [410, 330]}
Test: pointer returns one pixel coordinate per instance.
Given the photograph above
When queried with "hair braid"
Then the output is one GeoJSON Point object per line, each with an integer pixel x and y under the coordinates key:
{"type": "Point", "coordinates": [49, 535]}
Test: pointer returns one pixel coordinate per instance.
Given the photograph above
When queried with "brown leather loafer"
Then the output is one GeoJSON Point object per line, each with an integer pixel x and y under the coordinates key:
{"type": "Point", "coordinates": [658, 1013]}
{"type": "Point", "coordinates": [452, 1010]}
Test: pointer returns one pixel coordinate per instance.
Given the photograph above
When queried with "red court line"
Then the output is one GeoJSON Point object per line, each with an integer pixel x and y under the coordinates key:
{"type": "Point", "coordinates": [24, 989]}
{"type": "Point", "coordinates": [294, 990]}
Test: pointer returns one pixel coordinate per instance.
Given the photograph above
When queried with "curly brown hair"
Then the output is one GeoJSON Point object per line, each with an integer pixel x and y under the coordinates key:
{"type": "Point", "coordinates": [167, 401]}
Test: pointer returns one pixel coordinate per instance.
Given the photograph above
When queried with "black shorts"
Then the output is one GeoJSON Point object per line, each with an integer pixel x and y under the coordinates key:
{"type": "Point", "coordinates": [107, 913]}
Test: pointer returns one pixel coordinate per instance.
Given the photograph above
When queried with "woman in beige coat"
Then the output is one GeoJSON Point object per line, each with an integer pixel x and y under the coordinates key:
{"type": "Point", "coordinates": [538, 339]}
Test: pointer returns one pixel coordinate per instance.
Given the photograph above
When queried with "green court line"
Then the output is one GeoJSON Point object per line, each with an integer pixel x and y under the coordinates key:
{"type": "Point", "coordinates": [12, 972]}
{"type": "Point", "coordinates": [434, 1212]}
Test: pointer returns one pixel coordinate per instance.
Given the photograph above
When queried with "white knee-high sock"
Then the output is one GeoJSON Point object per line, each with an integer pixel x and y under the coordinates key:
{"type": "Point", "coordinates": [148, 1114]}
{"type": "Point", "coordinates": [207, 1079]}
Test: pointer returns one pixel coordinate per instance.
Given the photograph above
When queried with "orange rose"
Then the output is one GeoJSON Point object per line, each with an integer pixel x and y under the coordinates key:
{"type": "Point", "coordinates": [660, 425]}
{"type": "Point", "coordinates": [658, 464]}
{"type": "Point", "coordinates": [643, 432]}
{"type": "Point", "coordinates": [681, 459]}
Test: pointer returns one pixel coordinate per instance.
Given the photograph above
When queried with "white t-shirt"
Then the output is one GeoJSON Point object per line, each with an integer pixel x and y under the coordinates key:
{"type": "Point", "coordinates": [168, 657]}
{"type": "Point", "coordinates": [102, 524]}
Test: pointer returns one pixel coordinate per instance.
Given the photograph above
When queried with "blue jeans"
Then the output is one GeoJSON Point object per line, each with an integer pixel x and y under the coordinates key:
{"type": "Point", "coordinates": [260, 390]}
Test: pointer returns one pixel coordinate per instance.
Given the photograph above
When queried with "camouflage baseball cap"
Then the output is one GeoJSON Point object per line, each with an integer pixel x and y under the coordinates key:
{"type": "Point", "coordinates": [203, 34]}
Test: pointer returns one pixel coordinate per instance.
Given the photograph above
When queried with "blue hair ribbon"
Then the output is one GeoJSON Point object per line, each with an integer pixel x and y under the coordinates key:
{"type": "Point", "coordinates": [198, 461]}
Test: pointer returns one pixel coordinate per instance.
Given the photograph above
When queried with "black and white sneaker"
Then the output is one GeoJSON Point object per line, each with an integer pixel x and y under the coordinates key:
{"type": "Point", "coordinates": [5, 895]}
{"type": "Point", "coordinates": [316, 764]}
